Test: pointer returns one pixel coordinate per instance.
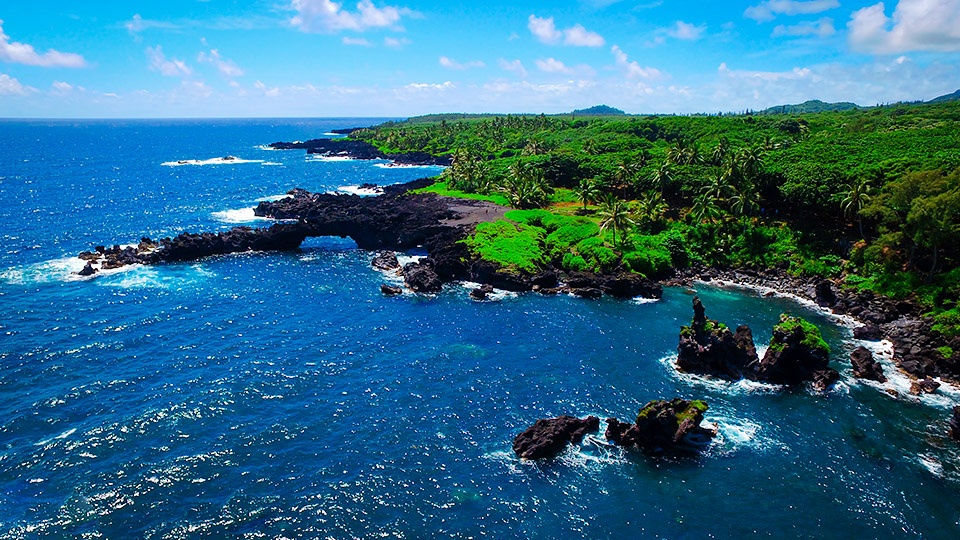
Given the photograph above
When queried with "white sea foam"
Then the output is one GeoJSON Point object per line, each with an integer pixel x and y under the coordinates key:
{"type": "Point", "coordinates": [495, 296]}
{"type": "Point", "coordinates": [946, 397]}
{"type": "Point", "coordinates": [317, 157]}
{"type": "Point", "coordinates": [362, 191]}
{"type": "Point", "coordinates": [44, 272]}
{"type": "Point", "coordinates": [271, 198]}
{"type": "Point", "coordinates": [639, 300]}
{"type": "Point", "coordinates": [228, 160]}
{"type": "Point", "coordinates": [240, 215]}
{"type": "Point", "coordinates": [271, 164]}
{"type": "Point", "coordinates": [716, 384]}
{"type": "Point", "coordinates": [931, 464]}
{"type": "Point", "coordinates": [395, 165]}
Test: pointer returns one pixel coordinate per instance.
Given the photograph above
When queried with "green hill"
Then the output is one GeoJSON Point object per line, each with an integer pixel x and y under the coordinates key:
{"type": "Point", "coordinates": [810, 107]}
{"type": "Point", "coordinates": [599, 110]}
{"type": "Point", "coordinates": [945, 98]}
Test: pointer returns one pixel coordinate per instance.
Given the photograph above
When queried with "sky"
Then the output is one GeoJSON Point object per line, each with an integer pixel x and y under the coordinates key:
{"type": "Point", "coordinates": [398, 58]}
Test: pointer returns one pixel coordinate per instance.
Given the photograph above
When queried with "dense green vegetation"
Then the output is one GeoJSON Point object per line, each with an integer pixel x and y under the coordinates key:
{"type": "Point", "coordinates": [812, 338]}
{"type": "Point", "coordinates": [870, 196]}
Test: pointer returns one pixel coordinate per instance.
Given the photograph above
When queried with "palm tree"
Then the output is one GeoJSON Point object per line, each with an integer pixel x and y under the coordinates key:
{"type": "Point", "coordinates": [615, 215]}
{"type": "Point", "coordinates": [717, 189]}
{"type": "Point", "coordinates": [705, 209]}
{"type": "Point", "coordinates": [526, 187]}
{"type": "Point", "coordinates": [720, 151]}
{"type": "Point", "coordinates": [651, 206]}
{"type": "Point", "coordinates": [750, 161]}
{"type": "Point", "coordinates": [587, 191]}
{"type": "Point", "coordinates": [662, 177]}
{"type": "Point", "coordinates": [745, 201]}
{"type": "Point", "coordinates": [857, 195]}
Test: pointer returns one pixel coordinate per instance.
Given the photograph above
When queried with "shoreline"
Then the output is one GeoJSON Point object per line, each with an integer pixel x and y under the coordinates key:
{"type": "Point", "coordinates": [912, 348]}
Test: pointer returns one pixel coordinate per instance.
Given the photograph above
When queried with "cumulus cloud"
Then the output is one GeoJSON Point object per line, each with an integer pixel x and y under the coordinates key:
{"type": "Point", "coordinates": [552, 65]}
{"type": "Point", "coordinates": [450, 63]}
{"type": "Point", "coordinates": [545, 30]}
{"type": "Point", "coordinates": [12, 87]}
{"type": "Point", "coordinates": [167, 67]}
{"type": "Point", "coordinates": [513, 66]}
{"type": "Point", "coordinates": [22, 53]}
{"type": "Point", "coordinates": [916, 25]}
{"type": "Point", "coordinates": [327, 16]}
{"type": "Point", "coordinates": [686, 31]}
{"type": "Point", "coordinates": [226, 67]}
{"type": "Point", "coordinates": [396, 43]}
{"type": "Point", "coordinates": [633, 70]}
{"type": "Point", "coordinates": [769, 9]}
{"type": "Point", "coordinates": [822, 28]}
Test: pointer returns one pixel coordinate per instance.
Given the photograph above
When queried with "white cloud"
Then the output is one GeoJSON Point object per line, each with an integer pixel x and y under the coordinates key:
{"type": "Point", "coordinates": [359, 42]}
{"type": "Point", "coordinates": [821, 28]}
{"type": "Point", "coordinates": [578, 36]}
{"type": "Point", "coordinates": [327, 16]}
{"type": "Point", "coordinates": [450, 63]}
{"type": "Point", "coordinates": [513, 66]}
{"type": "Point", "coordinates": [12, 87]}
{"type": "Point", "coordinates": [545, 30]}
{"type": "Point", "coordinates": [686, 31]}
{"type": "Point", "coordinates": [633, 70]}
{"type": "Point", "coordinates": [916, 25]}
{"type": "Point", "coordinates": [420, 87]}
{"type": "Point", "coordinates": [21, 53]}
{"type": "Point", "coordinates": [769, 9]}
{"type": "Point", "coordinates": [269, 92]}
{"type": "Point", "coordinates": [226, 67]}
{"type": "Point", "coordinates": [552, 65]}
{"type": "Point", "coordinates": [167, 67]}
{"type": "Point", "coordinates": [396, 43]}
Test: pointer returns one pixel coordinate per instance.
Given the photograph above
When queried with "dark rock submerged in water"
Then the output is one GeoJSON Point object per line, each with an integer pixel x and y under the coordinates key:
{"type": "Point", "coordinates": [386, 260]}
{"type": "Point", "coordinates": [864, 366]}
{"type": "Point", "coordinates": [955, 424]}
{"type": "Point", "coordinates": [550, 436]}
{"type": "Point", "coordinates": [663, 427]}
{"type": "Point", "coordinates": [421, 278]}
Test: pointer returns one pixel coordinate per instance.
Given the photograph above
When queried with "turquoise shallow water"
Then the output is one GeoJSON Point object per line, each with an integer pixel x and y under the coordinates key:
{"type": "Point", "coordinates": [280, 395]}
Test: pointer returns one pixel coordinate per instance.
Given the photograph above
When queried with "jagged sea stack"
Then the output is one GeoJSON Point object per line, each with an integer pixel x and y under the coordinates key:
{"type": "Point", "coordinates": [663, 427]}
{"type": "Point", "coordinates": [709, 347]}
{"type": "Point", "coordinates": [797, 351]}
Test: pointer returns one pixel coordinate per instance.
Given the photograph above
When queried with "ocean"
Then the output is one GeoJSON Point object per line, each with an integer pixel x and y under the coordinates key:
{"type": "Point", "coordinates": [281, 395]}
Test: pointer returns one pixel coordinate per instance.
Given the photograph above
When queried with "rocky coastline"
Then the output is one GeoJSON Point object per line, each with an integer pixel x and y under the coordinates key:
{"type": "Point", "coordinates": [354, 149]}
{"type": "Point", "coordinates": [916, 346]}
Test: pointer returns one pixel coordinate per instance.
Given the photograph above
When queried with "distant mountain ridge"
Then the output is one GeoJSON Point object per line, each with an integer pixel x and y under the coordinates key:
{"type": "Point", "coordinates": [599, 110]}
{"type": "Point", "coordinates": [811, 106]}
{"type": "Point", "coordinates": [955, 96]}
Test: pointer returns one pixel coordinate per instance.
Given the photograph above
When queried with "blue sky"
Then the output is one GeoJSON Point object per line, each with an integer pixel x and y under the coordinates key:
{"type": "Point", "coordinates": [262, 58]}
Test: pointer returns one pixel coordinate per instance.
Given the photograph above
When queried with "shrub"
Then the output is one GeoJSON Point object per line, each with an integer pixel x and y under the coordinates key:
{"type": "Point", "coordinates": [513, 246]}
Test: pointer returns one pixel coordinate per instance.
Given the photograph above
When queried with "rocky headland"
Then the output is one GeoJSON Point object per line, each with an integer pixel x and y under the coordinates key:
{"type": "Point", "coordinates": [355, 149]}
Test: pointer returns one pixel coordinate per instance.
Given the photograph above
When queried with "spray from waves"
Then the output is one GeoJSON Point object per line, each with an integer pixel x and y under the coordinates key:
{"type": "Point", "coordinates": [240, 215]}
{"type": "Point", "coordinates": [946, 397]}
{"type": "Point", "coordinates": [52, 271]}
{"type": "Point", "coordinates": [495, 296]}
{"type": "Point", "coordinates": [227, 160]}
{"type": "Point", "coordinates": [361, 191]}
{"type": "Point", "coordinates": [716, 384]}
{"type": "Point", "coordinates": [148, 277]}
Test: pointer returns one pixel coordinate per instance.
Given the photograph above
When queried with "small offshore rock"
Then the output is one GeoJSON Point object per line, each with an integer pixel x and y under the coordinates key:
{"type": "Point", "coordinates": [550, 436]}
{"type": "Point", "coordinates": [390, 290]}
{"type": "Point", "coordinates": [865, 367]}
{"type": "Point", "coordinates": [481, 292]}
{"type": "Point", "coordinates": [924, 386]}
{"type": "Point", "coordinates": [955, 424]}
{"type": "Point", "coordinates": [88, 270]}
{"type": "Point", "coordinates": [386, 260]}
{"type": "Point", "coordinates": [421, 278]}
{"type": "Point", "coordinates": [663, 427]}
{"type": "Point", "coordinates": [823, 379]}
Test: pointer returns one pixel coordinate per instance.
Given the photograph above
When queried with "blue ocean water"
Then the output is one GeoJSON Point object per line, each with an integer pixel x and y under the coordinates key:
{"type": "Point", "coordinates": [282, 396]}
